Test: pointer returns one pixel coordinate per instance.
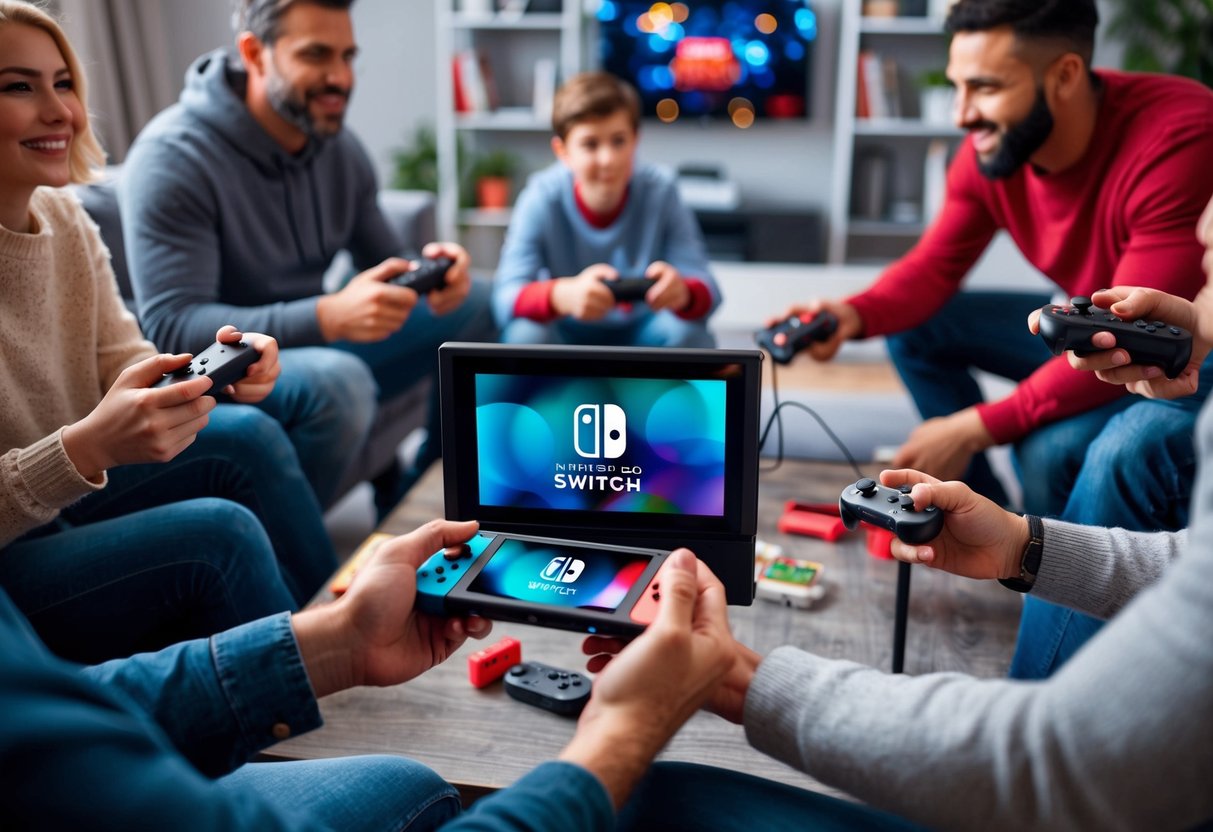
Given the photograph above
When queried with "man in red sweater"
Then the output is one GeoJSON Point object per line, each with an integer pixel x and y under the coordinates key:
{"type": "Point", "coordinates": [1099, 178]}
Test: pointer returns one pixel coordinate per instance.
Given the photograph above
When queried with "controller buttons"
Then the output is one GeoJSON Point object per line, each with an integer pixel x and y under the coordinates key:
{"type": "Point", "coordinates": [202, 371]}
{"type": "Point", "coordinates": [439, 569]}
{"type": "Point", "coordinates": [1174, 330]}
{"type": "Point", "coordinates": [576, 683]}
{"type": "Point", "coordinates": [423, 574]}
{"type": "Point", "coordinates": [563, 685]}
{"type": "Point", "coordinates": [907, 502]}
{"type": "Point", "coordinates": [866, 487]}
{"type": "Point", "coordinates": [905, 489]}
{"type": "Point", "coordinates": [440, 580]}
{"type": "Point", "coordinates": [892, 498]}
{"type": "Point", "coordinates": [1151, 328]}
{"type": "Point", "coordinates": [930, 508]}
{"type": "Point", "coordinates": [518, 670]}
{"type": "Point", "coordinates": [780, 339]}
{"type": "Point", "coordinates": [1083, 305]}
{"type": "Point", "coordinates": [204, 361]}
{"type": "Point", "coordinates": [1140, 324]}
{"type": "Point", "coordinates": [1159, 324]}
{"type": "Point", "coordinates": [552, 674]}
{"type": "Point", "coordinates": [453, 565]}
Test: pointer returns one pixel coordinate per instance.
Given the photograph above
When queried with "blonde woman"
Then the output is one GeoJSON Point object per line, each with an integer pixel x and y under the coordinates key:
{"type": "Point", "coordinates": [130, 517]}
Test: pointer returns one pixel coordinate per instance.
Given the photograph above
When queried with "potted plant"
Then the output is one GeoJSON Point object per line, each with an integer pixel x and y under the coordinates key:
{"type": "Point", "coordinates": [1170, 36]}
{"type": "Point", "coordinates": [492, 175]}
{"type": "Point", "coordinates": [936, 97]}
{"type": "Point", "coordinates": [416, 166]}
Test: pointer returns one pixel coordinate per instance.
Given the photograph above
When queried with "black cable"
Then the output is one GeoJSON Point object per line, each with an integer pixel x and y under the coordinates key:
{"type": "Point", "coordinates": [777, 408]}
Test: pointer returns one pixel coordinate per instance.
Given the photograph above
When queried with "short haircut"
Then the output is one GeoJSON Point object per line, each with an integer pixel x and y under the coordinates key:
{"type": "Point", "coordinates": [86, 157]}
{"type": "Point", "coordinates": [263, 18]}
{"type": "Point", "coordinates": [591, 96]}
{"type": "Point", "coordinates": [1069, 22]}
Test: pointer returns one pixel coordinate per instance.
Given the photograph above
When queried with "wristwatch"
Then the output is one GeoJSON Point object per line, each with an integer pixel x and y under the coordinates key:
{"type": "Point", "coordinates": [1029, 565]}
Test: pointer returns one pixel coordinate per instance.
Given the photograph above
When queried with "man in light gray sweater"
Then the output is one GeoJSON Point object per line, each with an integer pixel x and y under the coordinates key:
{"type": "Point", "coordinates": [1121, 737]}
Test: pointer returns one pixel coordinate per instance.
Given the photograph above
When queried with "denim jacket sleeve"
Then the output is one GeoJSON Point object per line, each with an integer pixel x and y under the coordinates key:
{"type": "Point", "coordinates": [219, 701]}
{"type": "Point", "coordinates": [78, 754]}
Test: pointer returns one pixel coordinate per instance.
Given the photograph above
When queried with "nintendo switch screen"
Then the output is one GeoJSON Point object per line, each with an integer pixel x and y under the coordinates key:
{"type": "Point", "coordinates": [560, 576]}
{"type": "Point", "coordinates": [605, 444]}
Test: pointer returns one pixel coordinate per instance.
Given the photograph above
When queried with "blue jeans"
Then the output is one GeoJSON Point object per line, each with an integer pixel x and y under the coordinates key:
{"type": "Point", "coordinates": [140, 582]}
{"type": "Point", "coordinates": [367, 794]}
{"type": "Point", "coordinates": [327, 397]}
{"type": "Point", "coordinates": [1137, 475]}
{"type": "Point", "coordinates": [661, 329]}
{"type": "Point", "coordinates": [685, 796]}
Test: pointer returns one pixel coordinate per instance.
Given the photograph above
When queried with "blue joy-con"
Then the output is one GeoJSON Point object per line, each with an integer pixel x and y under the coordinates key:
{"type": "Point", "coordinates": [439, 574]}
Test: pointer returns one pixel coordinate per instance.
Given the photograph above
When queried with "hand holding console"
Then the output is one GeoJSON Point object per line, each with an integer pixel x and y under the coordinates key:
{"type": "Point", "coordinates": [429, 275]}
{"type": "Point", "coordinates": [889, 508]}
{"type": "Point", "coordinates": [224, 364]}
{"type": "Point", "coordinates": [1071, 327]}
{"type": "Point", "coordinates": [794, 333]}
{"type": "Point", "coordinates": [629, 289]}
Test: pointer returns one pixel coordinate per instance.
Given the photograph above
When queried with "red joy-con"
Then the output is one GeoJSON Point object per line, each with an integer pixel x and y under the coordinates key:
{"type": "Point", "coordinates": [490, 664]}
{"type": "Point", "coordinates": [645, 610]}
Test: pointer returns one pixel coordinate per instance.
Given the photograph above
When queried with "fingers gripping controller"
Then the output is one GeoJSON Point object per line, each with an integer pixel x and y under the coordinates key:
{"type": "Point", "coordinates": [629, 289]}
{"type": "Point", "coordinates": [224, 364]}
{"type": "Point", "coordinates": [429, 276]}
{"type": "Point", "coordinates": [793, 334]}
{"type": "Point", "coordinates": [442, 570]}
{"type": "Point", "coordinates": [1147, 342]}
{"type": "Point", "coordinates": [891, 509]}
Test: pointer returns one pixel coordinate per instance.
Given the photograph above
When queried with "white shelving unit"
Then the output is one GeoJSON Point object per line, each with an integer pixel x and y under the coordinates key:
{"type": "Point", "coordinates": [511, 43]}
{"type": "Point", "coordinates": [916, 45]}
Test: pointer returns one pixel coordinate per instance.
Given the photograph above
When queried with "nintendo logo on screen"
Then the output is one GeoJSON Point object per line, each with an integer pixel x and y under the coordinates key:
{"type": "Point", "coordinates": [600, 431]}
{"type": "Point", "coordinates": [562, 569]}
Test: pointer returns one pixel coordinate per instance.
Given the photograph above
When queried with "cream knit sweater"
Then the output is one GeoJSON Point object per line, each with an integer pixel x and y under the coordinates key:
{"type": "Point", "coordinates": [64, 338]}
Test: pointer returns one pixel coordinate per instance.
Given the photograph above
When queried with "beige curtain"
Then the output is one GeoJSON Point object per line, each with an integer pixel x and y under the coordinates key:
{"type": "Point", "coordinates": [122, 46]}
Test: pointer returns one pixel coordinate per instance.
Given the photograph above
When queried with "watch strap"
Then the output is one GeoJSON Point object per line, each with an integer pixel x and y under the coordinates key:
{"type": "Point", "coordinates": [1029, 564]}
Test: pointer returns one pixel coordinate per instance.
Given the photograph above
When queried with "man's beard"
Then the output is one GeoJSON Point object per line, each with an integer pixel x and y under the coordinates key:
{"type": "Point", "coordinates": [1019, 142]}
{"type": "Point", "coordinates": [294, 108]}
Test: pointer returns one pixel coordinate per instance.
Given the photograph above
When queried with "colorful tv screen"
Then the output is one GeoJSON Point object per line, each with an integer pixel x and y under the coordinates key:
{"type": "Point", "coordinates": [633, 445]}
{"type": "Point", "coordinates": [743, 60]}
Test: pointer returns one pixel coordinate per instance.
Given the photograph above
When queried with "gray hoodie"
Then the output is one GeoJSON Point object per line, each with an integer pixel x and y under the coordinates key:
{"type": "Point", "coordinates": [222, 225]}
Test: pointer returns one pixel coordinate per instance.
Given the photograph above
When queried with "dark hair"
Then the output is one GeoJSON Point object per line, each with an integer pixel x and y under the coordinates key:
{"type": "Point", "coordinates": [263, 18]}
{"type": "Point", "coordinates": [590, 96]}
{"type": "Point", "coordinates": [1071, 22]}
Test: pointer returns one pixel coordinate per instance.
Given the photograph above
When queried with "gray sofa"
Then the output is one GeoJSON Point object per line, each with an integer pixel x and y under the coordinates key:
{"type": "Point", "coordinates": [412, 213]}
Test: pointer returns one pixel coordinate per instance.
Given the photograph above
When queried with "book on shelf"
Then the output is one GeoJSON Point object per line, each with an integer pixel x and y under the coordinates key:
{"type": "Point", "coordinates": [878, 90]}
{"type": "Point", "coordinates": [474, 86]}
{"type": "Point", "coordinates": [934, 178]}
{"type": "Point", "coordinates": [544, 88]}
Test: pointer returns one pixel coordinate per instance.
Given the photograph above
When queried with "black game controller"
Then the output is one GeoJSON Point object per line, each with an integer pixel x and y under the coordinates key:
{"type": "Point", "coordinates": [629, 289]}
{"type": "Point", "coordinates": [890, 509]}
{"type": "Point", "coordinates": [794, 333]}
{"type": "Point", "coordinates": [223, 364]}
{"type": "Point", "coordinates": [1147, 342]}
{"type": "Point", "coordinates": [428, 276]}
{"type": "Point", "coordinates": [560, 691]}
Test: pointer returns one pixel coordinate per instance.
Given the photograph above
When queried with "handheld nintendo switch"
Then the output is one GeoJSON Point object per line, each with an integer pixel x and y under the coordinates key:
{"type": "Point", "coordinates": [622, 446]}
{"type": "Point", "coordinates": [564, 584]}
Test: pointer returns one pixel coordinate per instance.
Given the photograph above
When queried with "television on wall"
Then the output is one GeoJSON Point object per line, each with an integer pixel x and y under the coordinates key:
{"type": "Point", "coordinates": [742, 60]}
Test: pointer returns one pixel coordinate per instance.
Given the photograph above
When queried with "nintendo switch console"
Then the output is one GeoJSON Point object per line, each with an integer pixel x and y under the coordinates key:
{"type": "Point", "coordinates": [649, 448]}
{"type": "Point", "coordinates": [566, 584]}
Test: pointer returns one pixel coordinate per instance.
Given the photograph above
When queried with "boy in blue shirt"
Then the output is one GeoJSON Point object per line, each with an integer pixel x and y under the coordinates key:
{"type": "Point", "coordinates": [594, 216]}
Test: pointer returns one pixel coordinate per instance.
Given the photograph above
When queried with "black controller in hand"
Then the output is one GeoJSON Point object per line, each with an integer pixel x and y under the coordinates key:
{"type": "Point", "coordinates": [428, 276]}
{"type": "Point", "coordinates": [794, 333]}
{"type": "Point", "coordinates": [223, 364]}
{"type": "Point", "coordinates": [629, 289]}
{"type": "Point", "coordinates": [891, 509]}
{"type": "Point", "coordinates": [556, 690]}
{"type": "Point", "coordinates": [1147, 342]}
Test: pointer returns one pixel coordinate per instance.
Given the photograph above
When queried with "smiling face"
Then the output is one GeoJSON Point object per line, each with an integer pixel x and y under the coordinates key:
{"type": "Point", "coordinates": [39, 116]}
{"type": "Point", "coordinates": [601, 154]}
{"type": "Point", "coordinates": [1000, 100]}
{"type": "Point", "coordinates": [306, 76]}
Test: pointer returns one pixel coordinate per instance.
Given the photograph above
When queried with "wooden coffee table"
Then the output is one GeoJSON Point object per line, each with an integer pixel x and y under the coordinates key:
{"type": "Point", "coordinates": [481, 740]}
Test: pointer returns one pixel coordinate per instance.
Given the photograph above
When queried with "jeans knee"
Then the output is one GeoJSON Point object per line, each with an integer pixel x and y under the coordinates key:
{"type": "Point", "coordinates": [224, 534]}
{"type": "Point", "coordinates": [249, 435]}
{"type": "Point", "coordinates": [343, 390]}
{"type": "Point", "coordinates": [425, 800]}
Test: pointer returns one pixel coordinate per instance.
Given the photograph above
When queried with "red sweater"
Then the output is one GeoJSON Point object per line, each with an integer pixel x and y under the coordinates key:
{"type": "Point", "coordinates": [1125, 214]}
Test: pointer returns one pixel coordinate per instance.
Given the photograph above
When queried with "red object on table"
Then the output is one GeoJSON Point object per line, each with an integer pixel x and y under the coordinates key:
{"type": "Point", "coordinates": [878, 541]}
{"type": "Point", "coordinates": [812, 519]}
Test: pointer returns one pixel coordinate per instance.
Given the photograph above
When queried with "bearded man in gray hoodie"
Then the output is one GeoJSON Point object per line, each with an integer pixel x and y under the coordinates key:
{"type": "Point", "coordinates": [234, 203]}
